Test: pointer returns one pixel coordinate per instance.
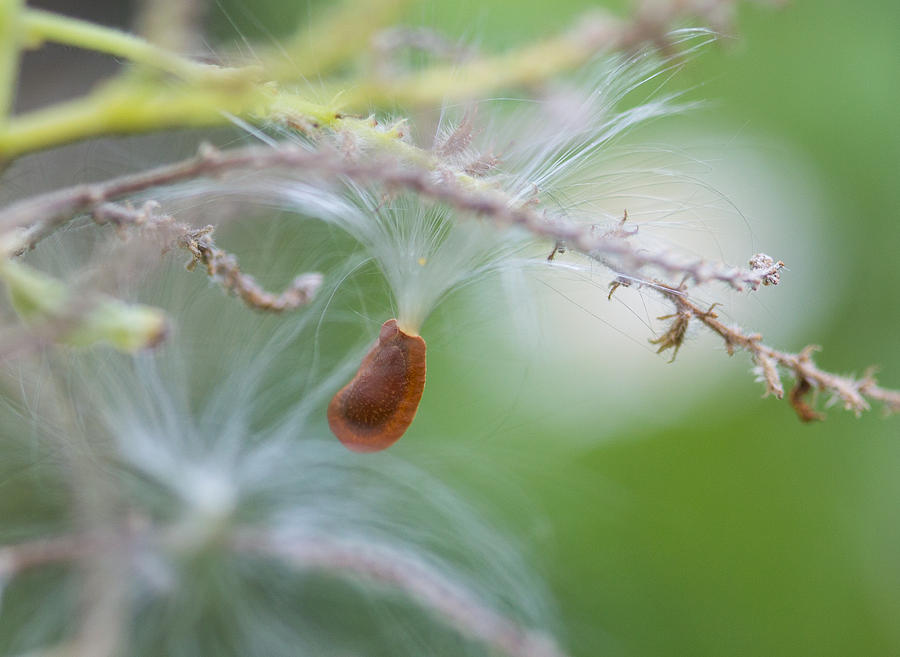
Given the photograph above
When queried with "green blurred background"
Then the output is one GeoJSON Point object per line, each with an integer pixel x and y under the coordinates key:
{"type": "Point", "coordinates": [727, 528]}
{"type": "Point", "coordinates": [731, 529]}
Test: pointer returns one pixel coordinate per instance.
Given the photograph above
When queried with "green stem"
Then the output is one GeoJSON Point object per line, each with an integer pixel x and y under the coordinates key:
{"type": "Point", "coordinates": [129, 106]}
{"type": "Point", "coordinates": [10, 42]}
{"type": "Point", "coordinates": [70, 317]}
{"type": "Point", "coordinates": [40, 26]}
{"type": "Point", "coordinates": [332, 39]}
{"type": "Point", "coordinates": [521, 67]}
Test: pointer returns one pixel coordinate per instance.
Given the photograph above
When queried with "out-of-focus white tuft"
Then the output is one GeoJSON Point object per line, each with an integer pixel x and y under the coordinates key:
{"type": "Point", "coordinates": [213, 461]}
{"type": "Point", "coordinates": [559, 153]}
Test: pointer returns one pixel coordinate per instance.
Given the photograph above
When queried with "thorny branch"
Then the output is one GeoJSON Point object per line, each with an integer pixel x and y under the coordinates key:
{"type": "Point", "coordinates": [853, 394]}
{"type": "Point", "coordinates": [220, 265]}
{"type": "Point", "coordinates": [40, 216]}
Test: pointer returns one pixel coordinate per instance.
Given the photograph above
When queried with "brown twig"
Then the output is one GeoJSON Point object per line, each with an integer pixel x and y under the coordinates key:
{"type": "Point", "coordinates": [613, 249]}
{"type": "Point", "coordinates": [43, 214]}
{"type": "Point", "coordinates": [674, 336]}
{"type": "Point", "coordinates": [220, 265]}
{"type": "Point", "coordinates": [854, 394]}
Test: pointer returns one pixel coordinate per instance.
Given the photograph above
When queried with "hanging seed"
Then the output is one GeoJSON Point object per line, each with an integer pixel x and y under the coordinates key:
{"type": "Point", "coordinates": [372, 411]}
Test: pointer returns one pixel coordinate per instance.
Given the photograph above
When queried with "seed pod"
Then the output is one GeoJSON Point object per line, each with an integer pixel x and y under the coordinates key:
{"type": "Point", "coordinates": [372, 411]}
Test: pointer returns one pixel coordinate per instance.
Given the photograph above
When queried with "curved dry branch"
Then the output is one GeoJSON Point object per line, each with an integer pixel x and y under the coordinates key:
{"type": "Point", "coordinates": [853, 394]}
{"type": "Point", "coordinates": [220, 265]}
{"type": "Point", "coordinates": [39, 216]}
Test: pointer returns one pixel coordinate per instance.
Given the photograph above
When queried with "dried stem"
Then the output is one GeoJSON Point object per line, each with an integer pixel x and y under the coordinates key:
{"type": "Point", "coordinates": [43, 214]}
{"type": "Point", "coordinates": [220, 265]}
{"type": "Point", "coordinates": [853, 394]}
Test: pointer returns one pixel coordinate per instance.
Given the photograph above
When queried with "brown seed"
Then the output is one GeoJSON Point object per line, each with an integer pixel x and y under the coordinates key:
{"type": "Point", "coordinates": [372, 411]}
